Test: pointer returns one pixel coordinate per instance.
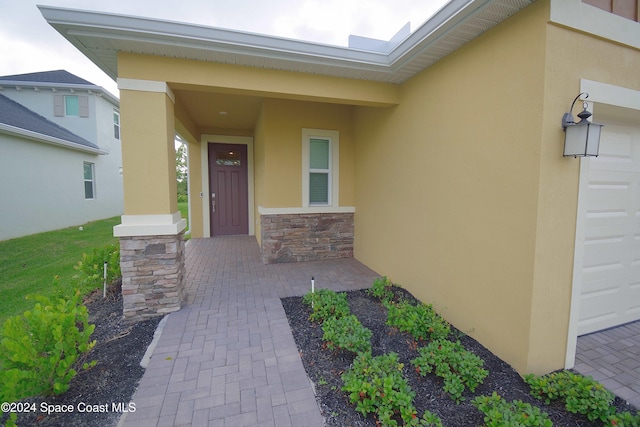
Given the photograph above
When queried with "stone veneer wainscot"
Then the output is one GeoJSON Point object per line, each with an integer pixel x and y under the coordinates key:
{"type": "Point", "coordinates": [152, 275]}
{"type": "Point", "coordinates": [306, 237]}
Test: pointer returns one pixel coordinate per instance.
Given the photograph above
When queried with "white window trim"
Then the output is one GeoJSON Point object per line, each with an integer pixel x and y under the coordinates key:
{"type": "Point", "coordinates": [334, 166]}
{"type": "Point", "coordinates": [92, 180]}
{"type": "Point", "coordinates": [116, 113]}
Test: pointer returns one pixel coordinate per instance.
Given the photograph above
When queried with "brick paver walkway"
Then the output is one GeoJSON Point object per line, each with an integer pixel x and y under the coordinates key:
{"type": "Point", "coordinates": [612, 357]}
{"type": "Point", "coordinates": [228, 358]}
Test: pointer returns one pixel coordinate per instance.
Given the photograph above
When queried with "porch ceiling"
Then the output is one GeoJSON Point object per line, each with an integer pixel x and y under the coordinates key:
{"type": "Point", "coordinates": [219, 110]}
{"type": "Point", "coordinates": [100, 36]}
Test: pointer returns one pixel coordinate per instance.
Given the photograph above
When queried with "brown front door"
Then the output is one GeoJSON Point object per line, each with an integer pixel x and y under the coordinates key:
{"type": "Point", "coordinates": [229, 191]}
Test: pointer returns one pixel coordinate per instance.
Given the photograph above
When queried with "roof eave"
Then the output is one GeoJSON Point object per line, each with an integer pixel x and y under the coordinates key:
{"type": "Point", "coordinates": [39, 137]}
{"type": "Point", "coordinates": [144, 35]}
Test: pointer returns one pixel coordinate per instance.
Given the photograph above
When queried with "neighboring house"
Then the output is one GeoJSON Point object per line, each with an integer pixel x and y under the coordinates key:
{"type": "Point", "coordinates": [435, 159]}
{"type": "Point", "coordinates": [60, 154]}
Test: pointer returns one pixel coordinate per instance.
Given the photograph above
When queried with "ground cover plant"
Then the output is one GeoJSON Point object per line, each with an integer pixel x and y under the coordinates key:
{"type": "Point", "coordinates": [351, 392]}
{"type": "Point", "coordinates": [346, 333]}
{"type": "Point", "coordinates": [449, 360]}
{"type": "Point", "coordinates": [581, 395]}
{"type": "Point", "coordinates": [500, 413]}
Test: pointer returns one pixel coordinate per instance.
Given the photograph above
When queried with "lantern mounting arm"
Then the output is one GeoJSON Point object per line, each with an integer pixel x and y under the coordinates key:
{"type": "Point", "coordinates": [567, 118]}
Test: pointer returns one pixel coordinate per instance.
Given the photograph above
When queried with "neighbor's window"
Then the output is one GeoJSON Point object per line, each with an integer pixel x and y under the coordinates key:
{"type": "Point", "coordinates": [116, 124]}
{"type": "Point", "coordinates": [320, 167]}
{"type": "Point", "coordinates": [71, 105]}
{"type": "Point", "coordinates": [89, 181]}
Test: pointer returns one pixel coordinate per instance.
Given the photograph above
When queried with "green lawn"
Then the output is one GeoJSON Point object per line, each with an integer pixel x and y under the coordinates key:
{"type": "Point", "coordinates": [184, 211]}
{"type": "Point", "coordinates": [29, 264]}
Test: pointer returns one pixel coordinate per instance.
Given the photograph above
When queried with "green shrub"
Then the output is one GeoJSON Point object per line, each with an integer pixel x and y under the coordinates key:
{"type": "Point", "coordinates": [624, 419]}
{"type": "Point", "coordinates": [91, 268]}
{"type": "Point", "coordinates": [376, 386]}
{"type": "Point", "coordinates": [325, 304]}
{"type": "Point", "coordinates": [40, 350]}
{"type": "Point", "coordinates": [450, 360]}
{"type": "Point", "coordinates": [382, 289]}
{"type": "Point", "coordinates": [498, 413]}
{"type": "Point", "coordinates": [420, 321]}
{"type": "Point", "coordinates": [346, 333]}
{"type": "Point", "coordinates": [429, 419]}
{"type": "Point", "coordinates": [582, 395]}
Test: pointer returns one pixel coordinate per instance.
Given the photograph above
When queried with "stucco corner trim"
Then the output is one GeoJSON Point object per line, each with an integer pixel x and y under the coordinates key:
{"type": "Point", "coordinates": [592, 20]}
{"type": "Point", "coordinates": [306, 210]}
{"type": "Point", "coordinates": [146, 86]}
{"type": "Point", "coordinates": [150, 225]}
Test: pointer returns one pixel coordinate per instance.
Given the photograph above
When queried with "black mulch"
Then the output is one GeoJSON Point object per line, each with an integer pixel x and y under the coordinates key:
{"type": "Point", "coordinates": [108, 386]}
{"type": "Point", "coordinates": [325, 366]}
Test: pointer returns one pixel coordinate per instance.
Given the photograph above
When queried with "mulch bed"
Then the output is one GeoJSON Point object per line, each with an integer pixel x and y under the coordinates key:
{"type": "Point", "coordinates": [118, 351]}
{"type": "Point", "coordinates": [325, 366]}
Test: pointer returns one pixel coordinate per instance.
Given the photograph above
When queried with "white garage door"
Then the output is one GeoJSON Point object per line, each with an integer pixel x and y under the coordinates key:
{"type": "Point", "coordinates": [610, 290]}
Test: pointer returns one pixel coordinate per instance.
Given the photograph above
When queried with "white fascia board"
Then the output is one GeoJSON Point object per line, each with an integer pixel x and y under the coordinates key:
{"type": "Point", "coordinates": [38, 137]}
{"type": "Point", "coordinates": [97, 24]}
{"type": "Point", "coordinates": [152, 36]}
{"type": "Point", "coordinates": [442, 21]}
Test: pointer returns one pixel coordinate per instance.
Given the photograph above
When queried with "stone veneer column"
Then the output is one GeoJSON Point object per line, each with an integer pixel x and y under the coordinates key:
{"type": "Point", "coordinates": [151, 232]}
{"type": "Point", "coordinates": [152, 275]}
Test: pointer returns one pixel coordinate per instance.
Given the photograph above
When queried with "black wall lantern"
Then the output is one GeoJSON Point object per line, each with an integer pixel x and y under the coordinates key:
{"type": "Point", "coordinates": [581, 139]}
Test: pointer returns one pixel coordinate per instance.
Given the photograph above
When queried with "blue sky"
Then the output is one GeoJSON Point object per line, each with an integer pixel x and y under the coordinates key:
{"type": "Point", "coordinates": [28, 44]}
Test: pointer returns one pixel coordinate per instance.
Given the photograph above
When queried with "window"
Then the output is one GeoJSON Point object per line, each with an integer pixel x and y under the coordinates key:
{"type": "Point", "coordinates": [70, 106]}
{"type": "Point", "coordinates": [228, 158]}
{"type": "Point", "coordinates": [319, 171]}
{"type": "Point", "coordinates": [320, 167]}
{"type": "Point", "coordinates": [89, 181]}
{"type": "Point", "coordinates": [116, 124]}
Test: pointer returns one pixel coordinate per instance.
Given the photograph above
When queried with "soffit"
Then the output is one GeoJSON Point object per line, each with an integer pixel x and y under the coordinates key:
{"type": "Point", "coordinates": [220, 110]}
{"type": "Point", "coordinates": [100, 36]}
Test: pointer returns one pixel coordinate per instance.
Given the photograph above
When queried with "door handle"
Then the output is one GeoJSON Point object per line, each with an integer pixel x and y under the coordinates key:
{"type": "Point", "coordinates": [213, 202]}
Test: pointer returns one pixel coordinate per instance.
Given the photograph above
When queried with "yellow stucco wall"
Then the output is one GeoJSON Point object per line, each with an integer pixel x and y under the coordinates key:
{"type": "Point", "coordinates": [461, 191]}
{"type": "Point", "coordinates": [148, 153]}
{"type": "Point", "coordinates": [278, 149]}
{"type": "Point", "coordinates": [448, 183]}
{"type": "Point", "coordinates": [227, 78]}
{"type": "Point", "coordinates": [570, 56]}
